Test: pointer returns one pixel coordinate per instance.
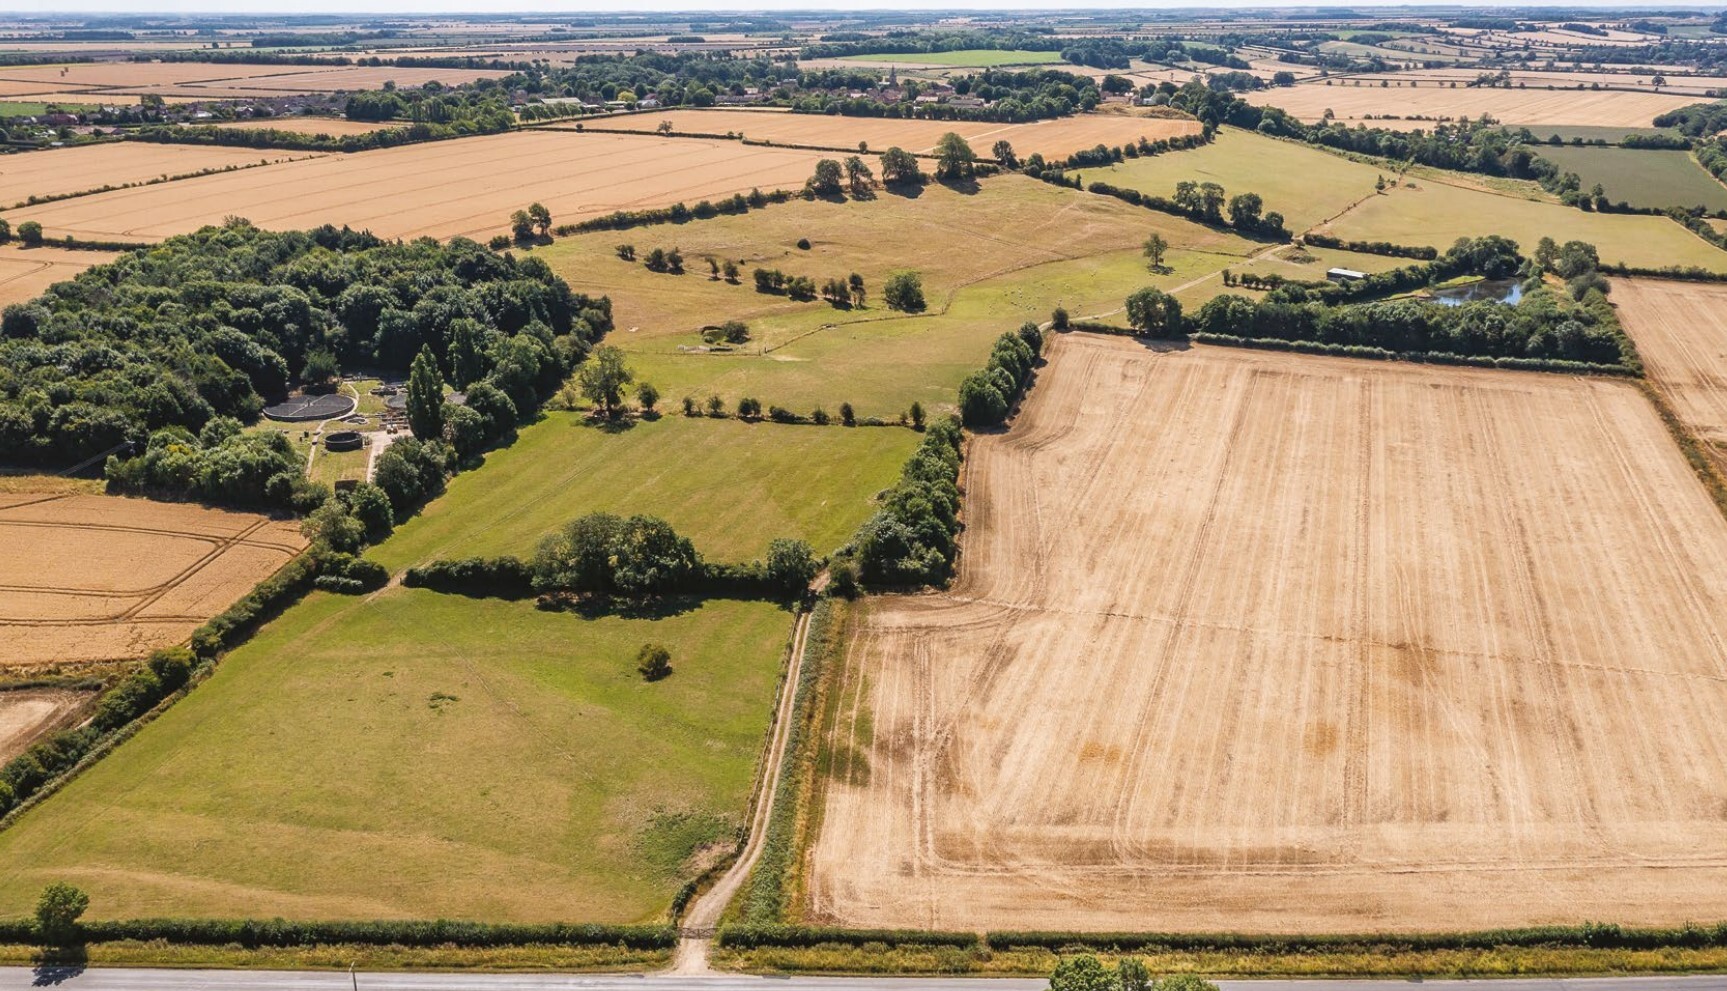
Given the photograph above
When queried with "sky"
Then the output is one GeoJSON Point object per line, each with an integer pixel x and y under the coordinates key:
{"type": "Point", "coordinates": [580, 6]}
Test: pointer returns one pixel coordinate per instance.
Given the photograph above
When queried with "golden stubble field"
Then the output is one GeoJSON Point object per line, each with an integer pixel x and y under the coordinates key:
{"type": "Point", "coordinates": [75, 170]}
{"type": "Point", "coordinates": [26, 272]}
{"type": "Point", "coordinates": [1680, 329]}
{"type": "Point", "coordinates": [1050, 138]}
{"type": "Point", "coordinates": [94, 578]}
{"type": "Point", "coordinates": [1614, 108]}
{"type": "Point", "coordinates": [467, 186]}
{"type": "Point", "coordinates": [1262, 642]}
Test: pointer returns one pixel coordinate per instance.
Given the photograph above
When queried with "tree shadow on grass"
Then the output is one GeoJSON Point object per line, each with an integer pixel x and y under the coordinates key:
{"type": "Point", "coordinates": [965, 187]}
{"type": "Point", "coordinates": [906, 190]}
{"type": "Point", "coordinates": [57, 965]}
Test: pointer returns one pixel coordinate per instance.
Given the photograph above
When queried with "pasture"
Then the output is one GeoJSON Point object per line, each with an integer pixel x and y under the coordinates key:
{"type": "Point", "coordinates": [1680, 329]}
{"type": "Point", "coordinates": [1432, 101]}
{"type": "Point", "coordinates": [1304, 184]}
{"type": "Point", "coordinates": [440, 189]}
{"type": "Point", "coordinates": [1061, 248]}
{"type": "Point", "coordinates": [95, 578]}
{"type": "Point", "coordinates": [1438, 213]}
{"type": "Point", "coordinates": [1640, 177]}
{"type": "Point", "coordinates": [729, 486]}
{"type": "Point", "coordinates": [1054, 139]}
{"type": "Point", "coordinates": [417, 755]}
{"type": "Point", "coordinates": [1245, 641]}
{"type": "Point", "coordinates": [60, 171]}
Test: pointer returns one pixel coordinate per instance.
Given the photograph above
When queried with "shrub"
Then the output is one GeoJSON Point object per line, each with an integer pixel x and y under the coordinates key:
{"type": "Point", "coordinates": [791, 566]}
{"type": "Point", "coordinates": [904, 292]}
{"type": "Point", "coordinates": [501, 577]}
{"type": "Point", "coordinates": [847, 415]}
{"type": "Point", "coordinates": [647, 395]}
{"type": "Point", "coordinates": [653, 661]}
{"type": "Point", "coordinates": [57, 913]}
{"type": "Point", "coordinates": [803, 244]}
{"type": "Point", "coordinates": [749, 408]}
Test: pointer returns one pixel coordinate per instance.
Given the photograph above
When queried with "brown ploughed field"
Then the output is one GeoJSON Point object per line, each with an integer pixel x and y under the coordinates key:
{"type": "Point", "coordinates": [93, 578]}
{"type": "Point", "coordinates": [1050, 138]}
{"type": "Point", "coordinates": [467, 186]}
{"type": "Point", "coordinates": [1680, 329]}
{"type": "Point", "coordinates": [1247, 641]}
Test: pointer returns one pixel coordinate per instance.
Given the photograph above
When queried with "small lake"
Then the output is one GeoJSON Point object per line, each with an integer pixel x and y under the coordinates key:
{"type": "Point", "coordinates": [1492, 290]}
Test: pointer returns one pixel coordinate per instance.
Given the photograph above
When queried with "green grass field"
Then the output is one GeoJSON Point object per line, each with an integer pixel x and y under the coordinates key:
{"type": "Point", "coordinates": [729, 486]}
{"type": "Point", "coordinates": [1437, 213]}
{"type": "Point", "coordinates": [977, 58]}
{"type": "Point", "coordinates": [422, 755]}
{"type": "Point", "coordinates": [1304, 184]}
{"type": "Point", "coordinates": [1640, 177]}
{"type": "Point", "coordinates": [21, 109]}
{"type": "Point", "coordinates": [989, 260]}
{"type": "Point", "coordinates": [1587, 132]}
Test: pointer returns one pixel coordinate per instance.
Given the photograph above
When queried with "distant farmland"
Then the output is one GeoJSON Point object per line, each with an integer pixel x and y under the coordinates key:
{"type": "Point", "coordinates": [1431, 101]}
{"type": "Point", "coordinates": [1640, 177]}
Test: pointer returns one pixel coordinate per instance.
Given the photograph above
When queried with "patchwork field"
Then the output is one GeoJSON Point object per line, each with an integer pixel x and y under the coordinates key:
{"type": "Point", "coordinates": [729, 486]}
{"type": "Point", "coordinates": [445, 188]}
{"type": "Point", "coordinates": [1305, 185]}
{"type": "Point", "coordinates": [1309, 101]}
{"type": "Point", "coordinates": [74, 170]}
{"type": "Point", "coordinates": [91, 578]}
{"type": "Point", "coordinates": [1642, 178]}
{"type": "Point", "coordinates": [1680, 329]}
{"type": "Point", "coordinates": [981, 276]}
{"type": "Point", "coordinates": [1050, 138]}
{"type": "Point", "coordinates": [1438, 213]}
{"type": "Point", "coordinates": [426, 756]}
{"type": "Point", "coordinates": [25, 273]}
{"type": "Point", "coordinates": [1255, 642]}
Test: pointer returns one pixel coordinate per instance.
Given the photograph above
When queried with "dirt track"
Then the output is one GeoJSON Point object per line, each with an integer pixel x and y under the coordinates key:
{"type": "Point", "coordinates": [1680, 329]}
{"type": "Point", "coordinates": [91, 578]}
{"type": "Point", "coordinates": [1248, 641]}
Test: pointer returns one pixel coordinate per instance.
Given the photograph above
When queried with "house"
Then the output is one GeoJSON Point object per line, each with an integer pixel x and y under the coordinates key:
{"type": "Point", "coordinates": [970, 102]}
{"type": "Point", "coordinates": [1345, 275]}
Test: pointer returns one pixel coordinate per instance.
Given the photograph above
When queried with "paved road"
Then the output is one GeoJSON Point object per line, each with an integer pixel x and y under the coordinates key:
{"type": "Point", "coordinates": [119, 979]}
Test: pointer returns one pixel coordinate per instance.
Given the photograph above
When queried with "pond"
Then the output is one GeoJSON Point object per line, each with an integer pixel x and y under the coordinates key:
{"type": "Point", "coordinates": [1493, 290]}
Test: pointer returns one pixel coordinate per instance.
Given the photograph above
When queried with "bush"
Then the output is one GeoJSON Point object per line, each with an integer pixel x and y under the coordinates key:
{"type": "Point", "coordinates": [749, 408]}
{"type": "Point", "coordinates": [653, 662]}
{"type": "Point", "coordinates": [499, 577]}
{"type": "Point", "coordinates": [904, 292]}
{"type": "Point", "coordinates": [57, 913]}
{"type": "Point", "coordinates": [791, 566]}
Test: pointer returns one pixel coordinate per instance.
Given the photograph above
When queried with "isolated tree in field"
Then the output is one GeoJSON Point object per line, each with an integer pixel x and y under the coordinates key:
{"type": "Point", "coordinates": [954, 158]}
{"type": "Point", "coordinates": [904, 292]}
{"type": "Point", "coordinates": [848, 416]}
{"type": "Point", "coordinates": [1379, 184]}
{"type": "Point", "coordinates": [648, 396]}
{"type": "Point", "coordinates": [1155, 248]}
{"type": "Point", "coordinates": [626, 251]}
{"type": "Point", "coordinates": [426, 396]}
{"type": "Point", "coordinates": [713, 269]}
{"type": "Point", "coordinates": [1244, 211]}
{"type": "Point", "coordinates": [1003, 152]}
{"type": "Point", "coordinates": [603, 378]}
{"type": "Point", "coordinates": [899, 166]}
{"type": "Point", "coordinates": [730, 271]}
{"type": "Point", "coordinates": [653, 661]}
{"type": "Point", "coordinates": [1154, 313]}
{"type": "Point", "coordinates": [541, 218]}
{"type": "Point", "coordinates": [30, 232]}
{"type": "Point", "coordinates": [858, 176]}
{"type": "Point", "coordinates": [855, 285]}
{"type": "Point", "coordinates": [916, 415]}
{"type": "Point", "coordinates": [521, 226]}
{"type": "Point", "coordinates": [57, 913]}
{"type": "Point", "coordinates": [791, 566]}
{"type": "Point", "coordinates": [826, 180]}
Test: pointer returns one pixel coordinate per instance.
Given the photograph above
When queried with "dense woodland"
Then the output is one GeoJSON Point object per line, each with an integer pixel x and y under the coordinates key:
{"type": "Point", "coordinates": [195, 336]}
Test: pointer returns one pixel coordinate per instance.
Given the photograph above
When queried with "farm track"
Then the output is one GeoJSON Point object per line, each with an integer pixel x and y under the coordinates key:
{"type": "Point", "coordinates": [1321, 654]}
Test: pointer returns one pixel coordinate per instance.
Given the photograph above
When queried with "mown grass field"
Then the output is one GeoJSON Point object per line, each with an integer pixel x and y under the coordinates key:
{"type": "Point", "coordinates": [1643, 178]}
{"type": "Point", "coordinates": [424, 755]}
{"type": "Point", "coordinates": [990, 259]}
{"type": "Point", "coordinates": [1438, 213]}
{"type": "Point", "coordinates": [729, 486]}
{"type": "Point", "coordinates": [1612, 135]}
{"type": "Point", "coordinates": [1304, 184]}
{"type": "Point", "coordinates": [970, 58]}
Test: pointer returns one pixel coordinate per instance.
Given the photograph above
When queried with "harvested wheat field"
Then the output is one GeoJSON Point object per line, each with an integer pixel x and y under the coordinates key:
{"type": "Point", "coordinates": [25, 273]}
{"type": "Point", "coordinates": [1246, 641]}
{"type": "Point", "coordinates": [28, 714]}
{"type": "Point", "coordinates": [59, 171]}
{"type": "Point", "coordinates": [300, 80]}
{"type": "Point", "coordinates": [333, 126]}
{"type": "Point", "coordinates": [92, 578]}
{"type": "Point", "coordinates": [1613, 108]}
{"type": "Point", "coordinates": [467, 186]}
{"type": "Point", "coordinates": [1680, 329]}
{"type": "Point", "coordinates": [1050, 138]}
